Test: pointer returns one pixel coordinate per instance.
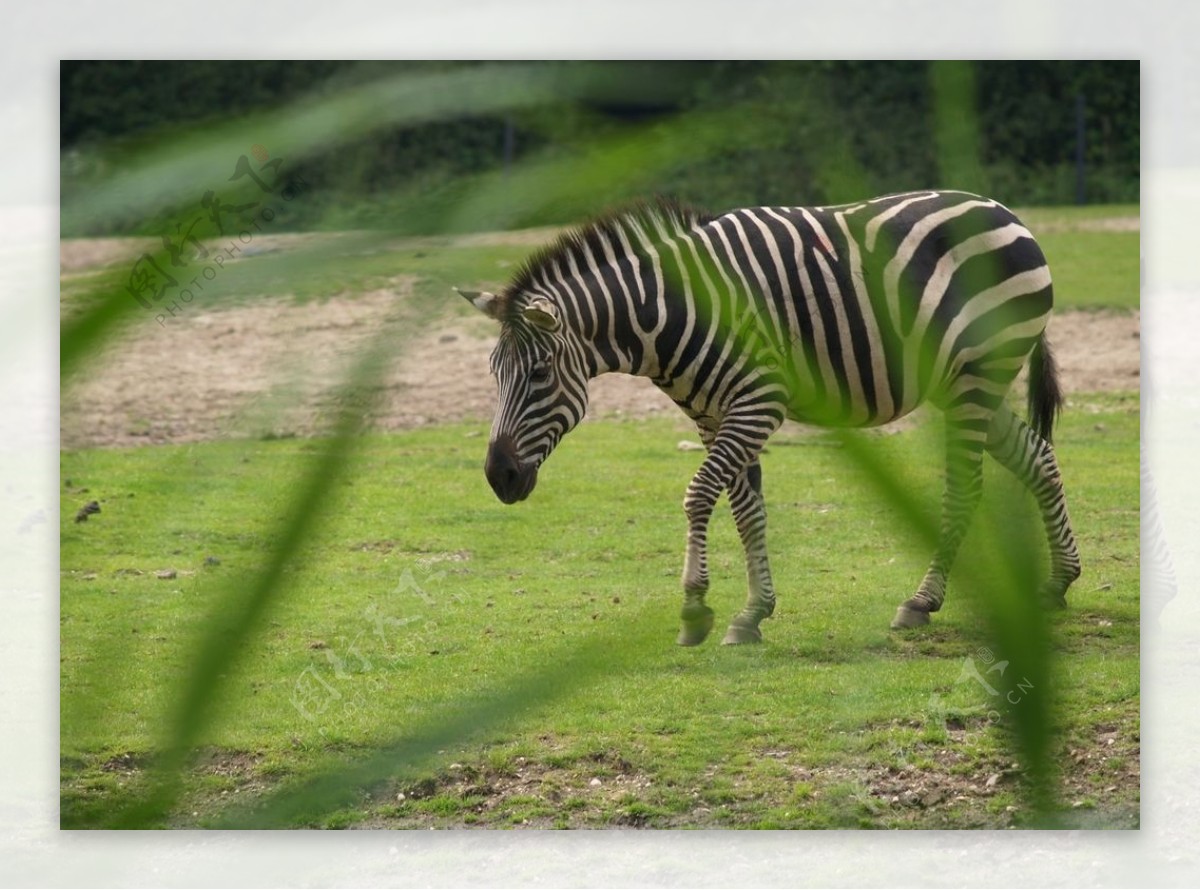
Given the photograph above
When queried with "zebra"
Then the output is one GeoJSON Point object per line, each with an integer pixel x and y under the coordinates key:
{"type": "Point", "coordinates": [847, 316]}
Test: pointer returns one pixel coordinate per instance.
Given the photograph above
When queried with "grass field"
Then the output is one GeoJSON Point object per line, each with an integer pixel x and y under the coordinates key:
{"type": "Point", "coordinates": [1092, 267]}
{"type": "Point", "coordinates": [421, 591]}
{"type": "Point", "coordinates": [435, 659]}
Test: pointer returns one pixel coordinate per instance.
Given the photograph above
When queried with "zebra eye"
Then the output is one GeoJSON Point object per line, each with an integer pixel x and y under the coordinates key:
{"type": "Point", "coordinates": [540, 372]}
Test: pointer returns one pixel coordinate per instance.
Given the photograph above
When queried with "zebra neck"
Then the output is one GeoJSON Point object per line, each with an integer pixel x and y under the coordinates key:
{"type": "Point", "coordinates": [614, 290]}
{"type": "Point", "coordinates": [610, 335]}
{"type": "Point", "coordinates": [602, 356]}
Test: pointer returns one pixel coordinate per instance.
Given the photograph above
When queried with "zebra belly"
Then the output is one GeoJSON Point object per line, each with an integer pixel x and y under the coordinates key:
{"type": "Point", "coordinates": [812, 403]}
{"type": "Point", "coordinates": [818, 414]}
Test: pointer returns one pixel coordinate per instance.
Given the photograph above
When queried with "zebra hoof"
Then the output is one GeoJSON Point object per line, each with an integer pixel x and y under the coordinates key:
{"type": "Point", "coordinates": [907, 617]}
{"type": "Point", "coordinates": [697, 625]}
{"type": "Point", "coordinates": [1052, 602]}
{"type": "Point", "coordinates": [737, 634]}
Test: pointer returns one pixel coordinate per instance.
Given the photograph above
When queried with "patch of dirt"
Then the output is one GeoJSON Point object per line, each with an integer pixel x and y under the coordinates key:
{"type": "Point", "coordinates": [269, 370]}
{"type": "Point", "coordinates": [1099, 224]}
{"type": "Point", "coordinates": [241, 765]}
{"type": "Point", "coordinates": [1097, 351]}
{"type": "Point", "coordinates": [87, 254]}
{"type": "Point", "coordinates": [953, 787]}
{"type": "Point", "coordinates": [526, 794]}
{"type": "Point", "coordinates": [951, 783]}
{"type": "Point", "coordinates": [127, 763]}
{"type": "Point", "coordinates": [1099, 785]}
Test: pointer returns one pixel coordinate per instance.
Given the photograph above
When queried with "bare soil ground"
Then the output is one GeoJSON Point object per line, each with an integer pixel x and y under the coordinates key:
{"type": "Point", "coordinates": [270, 368]}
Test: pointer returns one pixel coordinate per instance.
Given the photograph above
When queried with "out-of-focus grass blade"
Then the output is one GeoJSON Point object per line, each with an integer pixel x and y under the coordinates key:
{"type": "Point", "coordinates": [999, 581]}
{"type": "Point", "coordinates": [199, 159]}
{"type": "Point", "coordinates": [239, 612]}
{"type": "Point", "coordinates": [634, 162]}
{"type": "Point", "coordinates": [555, 675]}
{"type": "Point", "coordinates": [100, 312]}
{"type": "Point", "coordinates": [202, 160]}
{"type": "Point", "coordinates": [186, 166]}
{"type": "Point", "coordinates": [956, 125]}
{"type": "Point", "coordinates": [877, 473]}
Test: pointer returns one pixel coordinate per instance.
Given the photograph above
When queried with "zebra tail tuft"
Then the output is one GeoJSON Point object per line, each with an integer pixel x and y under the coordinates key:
{"type": "Point", "coordinates": [1045, 396]}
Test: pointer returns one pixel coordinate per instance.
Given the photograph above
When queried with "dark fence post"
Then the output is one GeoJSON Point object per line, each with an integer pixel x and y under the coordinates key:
{"type": "Point", "coordinates": [1080, 146]}
{"type": "Point", "coordinates": [510, 140]}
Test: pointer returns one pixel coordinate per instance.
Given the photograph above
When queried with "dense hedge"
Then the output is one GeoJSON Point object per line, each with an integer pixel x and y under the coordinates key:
{"type": "Point", "coordinates": [811, 132]}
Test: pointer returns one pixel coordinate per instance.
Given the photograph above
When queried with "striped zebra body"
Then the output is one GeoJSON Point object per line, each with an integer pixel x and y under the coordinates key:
{"type": "Point", "coordinates": [843, 316]}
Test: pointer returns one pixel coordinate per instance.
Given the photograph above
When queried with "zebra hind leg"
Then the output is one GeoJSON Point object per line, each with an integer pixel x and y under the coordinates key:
{"type": "Point", "coordinates": [1029, 457]}
{"type": "Point", "coordinates": [750, 516]}
{"type": "Point", "coordinates": [964, 477]}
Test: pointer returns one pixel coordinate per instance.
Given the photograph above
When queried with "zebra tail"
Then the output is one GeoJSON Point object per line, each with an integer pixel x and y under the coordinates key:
{"type": "Point", "coordinates": [1045, 396]}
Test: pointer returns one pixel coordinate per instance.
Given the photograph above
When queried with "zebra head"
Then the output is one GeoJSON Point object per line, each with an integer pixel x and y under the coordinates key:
{"type": "Point", "coordinates": [542, 379]}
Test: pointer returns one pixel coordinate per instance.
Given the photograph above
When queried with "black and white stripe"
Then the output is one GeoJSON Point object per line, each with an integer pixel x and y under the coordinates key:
{"type": "Point", "coordinates": [848, 316]}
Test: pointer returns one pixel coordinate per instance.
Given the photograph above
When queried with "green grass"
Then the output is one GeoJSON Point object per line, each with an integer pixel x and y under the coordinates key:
{"type": "Point", "coordinates": [1098, 270]}
{"type": "Point", "coordinates": [1074, 216]}
{"type": "Point", "coordinates": [391, 667]}
{"type": "Point", "coordinates": [1094, 253]}
{"type": "Point", "coordinates": [1092, 269]}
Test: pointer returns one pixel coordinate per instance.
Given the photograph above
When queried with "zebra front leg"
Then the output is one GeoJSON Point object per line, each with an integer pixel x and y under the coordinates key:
{"type": "Point", "coordinates": [730, 450]}
{"type": "Point", "coordinates": [697, 618]}
{"type": "Point", "coordinates": [964, 477]}
{"type": "Point", "coordinates": [750, 515]}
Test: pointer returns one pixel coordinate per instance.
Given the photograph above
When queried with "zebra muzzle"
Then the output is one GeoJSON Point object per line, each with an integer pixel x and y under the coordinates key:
{"type": "Point", "coordinates": [510, 479]}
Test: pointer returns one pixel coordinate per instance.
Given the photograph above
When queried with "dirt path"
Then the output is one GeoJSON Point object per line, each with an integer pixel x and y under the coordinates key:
{"type": "Point", "coordinates": [268, 369]}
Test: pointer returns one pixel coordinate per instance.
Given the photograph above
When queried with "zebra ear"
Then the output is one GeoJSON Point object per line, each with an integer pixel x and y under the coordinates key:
{"type": "Point", "coordinates": [542, 314]}
{"type": "Point", "coordinates": [487, 303]}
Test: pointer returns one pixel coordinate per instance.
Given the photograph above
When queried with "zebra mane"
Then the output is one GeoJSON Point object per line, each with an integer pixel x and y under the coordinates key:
{"type": "Point", "coordinates": [658, 217]}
